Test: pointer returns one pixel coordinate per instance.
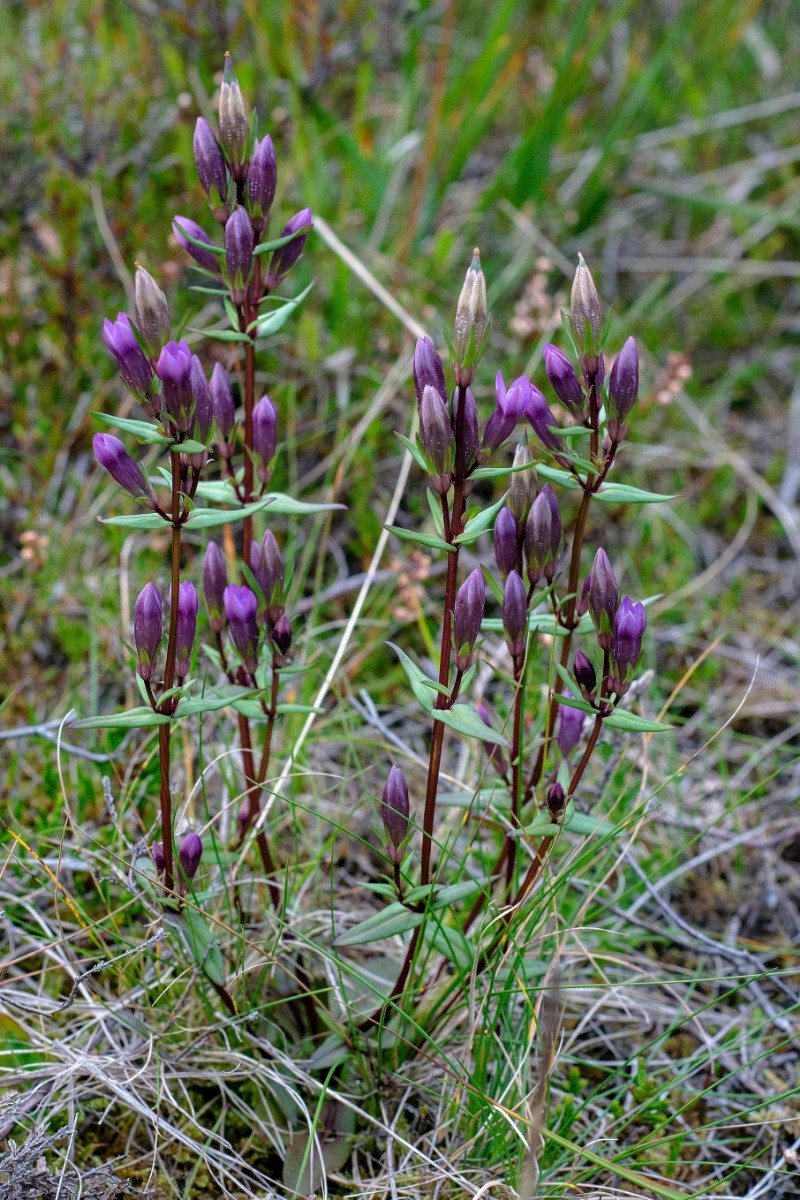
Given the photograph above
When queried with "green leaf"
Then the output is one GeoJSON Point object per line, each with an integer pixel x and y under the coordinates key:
{"type": "Point", "coordinates": [221, 335]}
{"type": "Point", "coordinates": [202, 944]}
{"type": "Point", "coordinates": [576, 702]}
{"type": "Point", "coordinates": [571, 432]}
{"type": "Point", "coordinates": [134, 718]}
{"type": "Point", "coordinates": [496, 472]}
{"type": "Point", "coordinates": [623, 493]}
{"type": "Point", "coordinates": [420, 683]}
{"type": "Point", "coordinates": [451, 943]}
{"type": "Point", "coordinates": [394, 919]}
{"type": "Point", "coordinates": [414, 451]}
{"type": "Point", "coordinates": [464, 719]}
{"type": "Point", "coordinates": [217, 490]}
{"type": "Point", "coordinates": [587, 824]}
{"type": "Point", "coordinates": [144, 431]}
{"type": "Point", "coordinates": [541, 826]}
{"type": "Point", "coordinates": [189, 447]}
{"type": "Point", "coordinates": [558, 476]}
{"type": "Point", "coordinates": [622, 719]}
{"type": "Point", "coordinates": [480, 523]}
{"type": "Point", "coordinates": [304, 709]}
{"type": "Point", "coordinates": [436, 511]}
{"type": "Point", "coordinates": [136, 521]}
{"type": "Point", "coordinates": [457, 891]}
{"type": "Point", "coordinates": [218, 250]}
{"type": "Point", "coordinates": [421, 539]}
{"type": "Point", "coordinates": [232, 314]}
{"type": "Point", "coordinates": [272, 322]}
{"type": "Point", "coordinates": [276, 243]}
{"type": "Point", "coordinates": [212, 702]}
{"type": "Point", "coordinates": [286, 506]}
{"type": "Point", "coordinates": [208, 518]}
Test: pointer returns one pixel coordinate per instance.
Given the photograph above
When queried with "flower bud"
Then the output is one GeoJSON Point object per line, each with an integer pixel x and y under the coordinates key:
{"type": "Point", "coordinates": [148, 626]}
{"type": "Point", "coordinates": [603, 599]}
{"type": "Point", "coordinates": [215, 581]}
{"type": "Point", "coordinates": [114, 458]}
{"type": "Point", "coordinates": [515, 614]}
{"type": "Point", "coordinates": [467, 617]}
{"type": "Point", "coordinates": [234, 127]}
{"type": "Point", "coordinates": [506, 542]}
{"type": "Point", "coordinates": [436, 439]}
{"type": "Point", "coordinates": [585, 312]}
{"type": "Point", "coordinates": [623, 388]}
{"type": "Point", "coordinates": [564, 381]}
{"type": "Point", "coordinates": [262, 177]}
{"type": "Point", "coordinates": [542, 420]}
{"type": "Point", "coordinates": [201, 394]}
{"type": "Point", "coordinates": [555, 800]}
{"type": "Point", "coordinates": [471, 324]}
{"type": "Point", "coordinates": [222, 402]}
{"type": "Point", "coordinates": [151, 312]}
{"type": "Point", "coordinates": [522, 489]}
{"type": "Point", "coordinates": [284, 258]}
{"type": "Point", "coordinates": [585, 674]}
{"type": "Point", "coordinates": [428, 369]}
{"type": "Point", "coordinates": [190, 853]}
{"type": "Point", "coordinates": [174, 369]}
{"type": "Point", "coordinates": [185, 228]}
{"type": "Point", "coordinates": [120, 340]}
{"type": "Point", "coordinates": [211, 169]}
{"type": "Point", "coordinates": [241, 607]}
{"type": "Point", "coordinates": [543, 536]}
{"type": "Point", "coordinates": [157, 854]}
{"type": "Point", "coordinates": [630, 623]}
{"type": "Point", "coordinates": [239, 244]}
{"type": "Point", "coordinates": [570, 727]}
{"type": "Point", "coordinates": [467, 447]}
{"type": "Point", "coordinates": [282, 635]}
{"type": "Point", "coordinates": [266, 563]}
{"type": "Point", "coordinates": [395, 809]}
{"type": "Point", "coordinates": [186, 628]}
{"type": "Point", "coordinates": [265, 436]}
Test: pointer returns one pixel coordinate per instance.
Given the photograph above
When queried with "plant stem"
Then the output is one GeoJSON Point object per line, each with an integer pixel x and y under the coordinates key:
{"type": "Point", "coordinates": [254, 807]}
{"type": "Point", "coordinates": [516, 771]}
{"type": "Point", "coordinates": [168, 706]}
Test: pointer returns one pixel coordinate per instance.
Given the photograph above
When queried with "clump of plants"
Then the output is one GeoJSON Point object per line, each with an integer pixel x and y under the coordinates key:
{"type": "Point", "coordinates": [549, 635]}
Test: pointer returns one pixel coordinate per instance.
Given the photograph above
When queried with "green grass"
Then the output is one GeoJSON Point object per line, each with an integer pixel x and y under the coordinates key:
{"type": "Point", "coordinates": [552, 129]}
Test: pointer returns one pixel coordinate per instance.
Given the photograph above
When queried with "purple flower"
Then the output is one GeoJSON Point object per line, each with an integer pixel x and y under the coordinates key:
{"type": "Point", "coordinates": [211, 168]}
{"type": "Point", "coordinates": [151, 311]}
{"type": "Point", "coordinates": [603, 599]}
{"type": "Point", "coordinates": [186, 628]}
{"type": "Point", "coordinates": [262, 177]}
{"type": "Point", "coordinates": [467, 444]}
{"type": "Point", "coordinates": [543, 536]}
{"type": "Point", "coordinates": [395, 810]}
{"type": "Point", "coordinates": [282, 635]}
{"type": "Point", "coordinates": [467, 617]}
{"type": "Point", "coordinates": [266, 563]}
{"type": "Point", "coordinates": [570, 727]}
{"type": "Point", "coordinates": [511, 405]}
{"type": "Point", "coordinates": [174, 369]}
{"type": "Point", "coordinates": [114, 458]}
{"type": "Point", "coordinates": [585, 674]}
{"type": "Point", "coordinates": [148, 626]}
{"type": "Point", "coordinates": [215, 581]}
{"type": "Point", "coordinates": [506, 542]}
{"type": "Point", "coordinates": [515, 614]}
{"type": "Point", "coordinates": [542, 420]}
{"type": "Point", "coordinates": [555, 799]}
{"type": "Point", "coordinates": [265, 436]}
{"type": "Point", "coordinates": [239, 244]}
{"type": "Point", "coordinates": [241, 607]}
{"type": "Point", "coordinates": [120, 340]}
{"type": "Point", "coordinates": [428, 369]}
{"type": "Point", "coordinates": [159, 861]}
{"type": "Point", "coordinates": [190, 853]}
{"type": "Point", "coordinates": [222, 402]}
{"type": "Point", "coordinates": [284, 258]}
{"type": "Point", "coordinates": [623, 388]}
{"type": "Point", "coordinates": [630, 623]}
{"type": "Point", "coordinates": [201, 394]}
{"type": "Point", "coordinates": [564, 381]}
{"type": "Point", "coordinates": [234, 127]}
{"type": "Point", "coordinates": [185, 229]}
{"type": "Point", "coordinates": [436, 439]}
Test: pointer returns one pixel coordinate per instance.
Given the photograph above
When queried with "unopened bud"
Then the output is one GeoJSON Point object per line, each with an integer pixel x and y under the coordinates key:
{"type": "Point", "coordinates": [428, 369]}
{"type": "Point", "coordinates": [284, 258]}
{"type": "Point", "coordinates": [265, 436]}
{"type": "Point", "coordinates": [467, 617]}
{"type": "Point", "coordinates": [148, 626]}
{"type": "Point", "coordinates": [159, 860]}
{"type": "Point", "coordinates": [282, 635]}
{"type": "Point", "coordinates": [174, 369]}
{"type": "Point", "coordinates": [585, 312]}
{"type": "Point", "coordinates": [506, 542]}
{"type": "Point", "coordinates": [603, 599]}
{"type": "Point", "coordinates": [564, 380]}
{"type": "Point", "coordinates": [120, 340]}
{"type": "Point", "coordinates": [187, 233]}
{"type": "Point", "coordinates": [190, 853]}
{"type": "Point", "coordinates": [262, 177]}
{"type": "Point", "coordinates": [234, 127]}
{"type": "Point", "coordinates": [585, 674]}
{"type": "Point", "coordinates": [570, 727]}
{"type": "Point", "coordinates": [241, 607]}
{"type": "Point", "coordinates": [201, 395]}
{"type": "Point", "coordinates": [471, 324]}
{"type": "Point", "coordinates": [623, 388]}
{"type": "Point", "coordinates": [114, 458]}
{"type": "Point", "coordinates": [515, 614]}
{"type": "Point", "coordinates": [151, 311]}
{"type": "Point", "coordinates": [266, 563]}
{"type": "Point", "coordinates": [542, 420]}
{"type": "Point", "coordinates": [395, 808]}
{"type": "Point", "coordinates": [215, 580]}
{"type": "Point", "coordinates": [186, 628]}
{"type": "Point", "coordinates": [555, 800]}
{"type": "Point", "coordinates": [239, 244]}
{"type": "Point", "coordinates": [222, 402]}
{"type": "Point", "coordinates": [436, 439]}
{"type": "Point", "coordinates": [465, 432]}
{"type": "Point", "coordinates": [522, 489]}
{"type": "Point", "coordinates": [630, 623]}
{"type": "Point", "coordinates": [543, 536]}
{"type": "Point", "coordinates": [211, 169]}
